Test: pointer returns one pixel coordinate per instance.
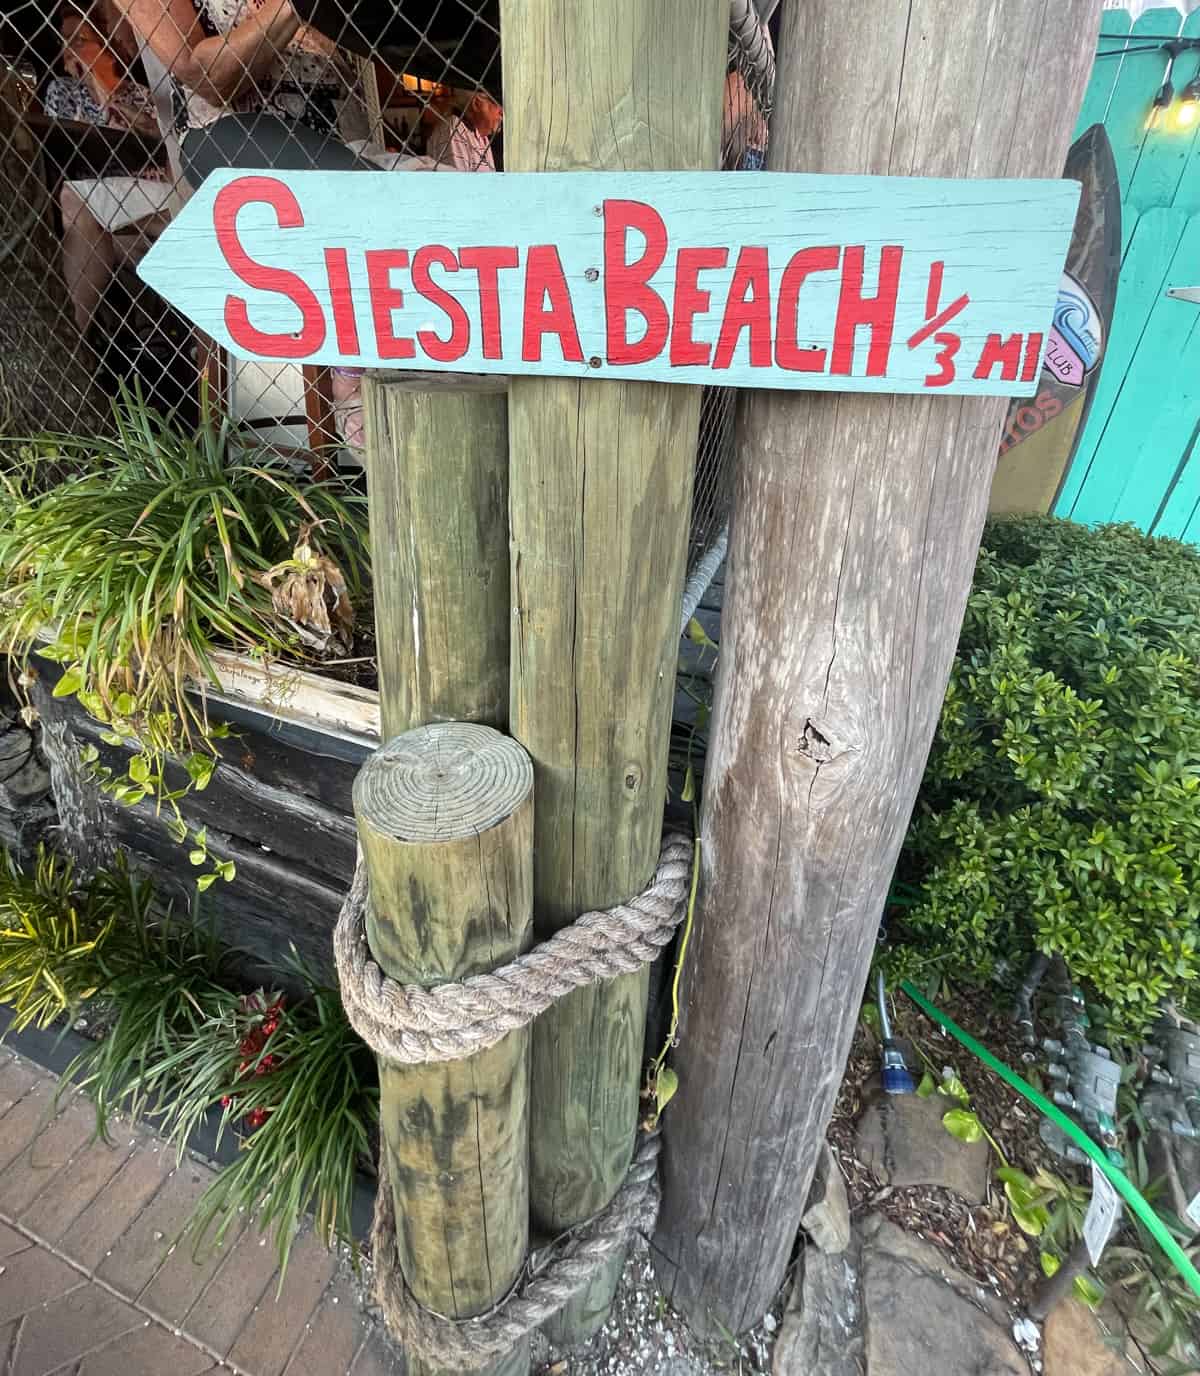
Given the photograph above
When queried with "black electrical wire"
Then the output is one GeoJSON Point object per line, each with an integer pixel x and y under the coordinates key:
{"type": "Point", "coordinates": [1149, 38]}
{"type": "Point", "coordinates": [1180, 45]}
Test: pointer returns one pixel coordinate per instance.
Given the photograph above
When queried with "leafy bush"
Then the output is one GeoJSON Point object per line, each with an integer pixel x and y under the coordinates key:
{"type": "Point", "coordinates": [290, 1077]}
{"type": "Point", "coordinates": [159, 547]}
{"type": "Point", "coordinates": [52, 935]}
{"type": "Point", "coordinates": [292, 1080]}
{"type": "Point", "coordinates": [1060, 809]}
{"type": "Point", "coordinates": [304, 1094]}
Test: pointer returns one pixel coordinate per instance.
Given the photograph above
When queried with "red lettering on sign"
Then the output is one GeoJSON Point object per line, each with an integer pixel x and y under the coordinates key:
{"type": "Point", "coordinates": [788, 353]}
{"type": "Point", "coordinates": [1006, 353]}
{"type": "Point", "coordinates": [544, 279]}
{"type": "Point", "coordinates": [311, 335]}
{"type": "Point", "coordinates": [948, 346]}
{"type": "Point", "coordinates": [1033, 351]}
{"type": "Point", "coordinates": [385, 299]}
{"type": "Point", "coordinates": [337, 270]}
{"type": "Point", "coordinates": [435, 347]}
{"type": "Point", "coordinates": [487, 264]}
{"type": "Point", "coordinates": [877, 313]}
{"type": "Point", "coordinates": [626, 284]}
{"type": "Point", "coordinates": [1028, 421]}
{"type": "Point", "coordinates": [690, 301]}
{"type": "Point", "coordinates": [747, 307]}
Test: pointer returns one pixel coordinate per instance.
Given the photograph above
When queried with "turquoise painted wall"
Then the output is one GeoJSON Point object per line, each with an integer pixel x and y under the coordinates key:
{"type": "Point", "coordinates": [1138, 458]}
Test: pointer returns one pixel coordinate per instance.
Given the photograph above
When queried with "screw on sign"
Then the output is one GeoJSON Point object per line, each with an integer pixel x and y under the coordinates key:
{"type": "Point", "coordinates": [885, 284]}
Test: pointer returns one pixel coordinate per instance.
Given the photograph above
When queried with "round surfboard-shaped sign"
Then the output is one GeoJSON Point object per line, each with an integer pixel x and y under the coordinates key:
{"type": "Point", "coordinates": [1077, 336]}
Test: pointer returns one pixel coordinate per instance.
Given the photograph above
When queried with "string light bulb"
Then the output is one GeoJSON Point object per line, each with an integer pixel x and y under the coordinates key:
{"type": "Point", "coordinates": [1164, 95]}
{"type": "Point", "coordinates": [1189, 104]}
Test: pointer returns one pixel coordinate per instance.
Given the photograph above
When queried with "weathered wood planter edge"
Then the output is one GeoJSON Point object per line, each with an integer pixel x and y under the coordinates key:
{"type": "Point", "coordinates": [279, 805]}
{"type": "Point", "coordinates": [284, 697]}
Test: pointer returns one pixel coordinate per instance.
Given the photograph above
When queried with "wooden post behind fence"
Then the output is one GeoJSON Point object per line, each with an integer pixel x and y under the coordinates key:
{"type": "Point", "coordinates": [437, 473]}
{"type": "Point", "coordinates": [601, 476]}
{"type": "Point", "coordinates": [445, 817]}
{"type": "Point", "coordinates": [855, 530]}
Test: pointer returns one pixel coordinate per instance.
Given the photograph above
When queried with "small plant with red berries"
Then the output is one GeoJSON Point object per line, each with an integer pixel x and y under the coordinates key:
{"type": "Point", "coordinates": [289, 1075]}
{"type": "Point", "coordinates": [257, 1020]}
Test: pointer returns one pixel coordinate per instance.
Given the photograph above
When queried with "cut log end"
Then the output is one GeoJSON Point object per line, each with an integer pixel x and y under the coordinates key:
{"type": "Point", "coordinates": [442, 782]}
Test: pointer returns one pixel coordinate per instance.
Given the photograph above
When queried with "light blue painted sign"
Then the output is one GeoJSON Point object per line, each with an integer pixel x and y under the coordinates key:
{"type": "Point", "coordinates": [865, 284]}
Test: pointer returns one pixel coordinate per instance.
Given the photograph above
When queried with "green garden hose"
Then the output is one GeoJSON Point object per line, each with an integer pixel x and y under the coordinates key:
{"type": "Point", "coordinates": [1116, 1177]}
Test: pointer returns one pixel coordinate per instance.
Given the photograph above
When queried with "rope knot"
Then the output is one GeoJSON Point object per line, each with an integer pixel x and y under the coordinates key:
{"type": "Point", "coordinates": [411, 1025]}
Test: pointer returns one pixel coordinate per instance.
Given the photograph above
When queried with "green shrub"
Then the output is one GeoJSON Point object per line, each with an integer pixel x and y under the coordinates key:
{"type": "Point", "coordinates": [1060, 809]}
{"type": "Point", "coordinates": [53, 934]}
{"type": "Point", "coordinates": [291, 1078]}
{"type": "Point", "coordinates": [158, 548]}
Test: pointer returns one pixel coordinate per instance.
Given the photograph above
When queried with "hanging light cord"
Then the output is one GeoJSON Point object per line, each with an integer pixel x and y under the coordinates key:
{"type": "Point", "coordinates": [1155, 43]}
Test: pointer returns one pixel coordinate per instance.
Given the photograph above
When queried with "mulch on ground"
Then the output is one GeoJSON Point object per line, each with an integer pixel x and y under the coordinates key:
{"type": "Point", "coordinates": [982, 1240]}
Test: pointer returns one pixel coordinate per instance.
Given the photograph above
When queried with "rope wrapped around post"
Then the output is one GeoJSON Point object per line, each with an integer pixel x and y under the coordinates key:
{"type": "Point", "coordinates": [412, 1025]}
{"type": "Point", "coordinates": [409, 1025]}
{"type": "Point", "coordinates": [552, 1276]}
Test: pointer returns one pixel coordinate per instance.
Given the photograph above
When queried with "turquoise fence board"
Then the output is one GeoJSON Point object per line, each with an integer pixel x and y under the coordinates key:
{"type": "Point", "coordinates": [1192, 530]}
{"type": "Point", "coordinates": [1138, 458]}
{"type": "Point", "coordinates": [865, 284]}
{"type": "Point", "coordinates": [1186, 192]}
{"type": "Point", "coordinates": [1114, 23]}
{"type": "Point", "coordinates": [1177, 506]}
{"type": "Point", "coordinates": [1143, 274]}
{"type": "Point", "coordinates": [1154, 416]}
{"type": "Point", "coordinates": [1183, 498]}
{"type": "Point", "coordinates": [1140, 76]}
{"type": "Point", "coordinates": [1166, 148]}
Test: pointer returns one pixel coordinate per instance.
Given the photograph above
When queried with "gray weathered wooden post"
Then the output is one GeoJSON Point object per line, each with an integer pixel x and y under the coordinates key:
{"type": "Point", "coordinates": [855, 528]}
{"type": "Point", "coordinates": [600, 477]}
{"type": "Point", "coordinates": [437, 474]}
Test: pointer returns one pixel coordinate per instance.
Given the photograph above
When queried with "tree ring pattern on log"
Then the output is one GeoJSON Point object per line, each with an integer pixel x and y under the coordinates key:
{"type": "Point", "coordinates": [443, 782]}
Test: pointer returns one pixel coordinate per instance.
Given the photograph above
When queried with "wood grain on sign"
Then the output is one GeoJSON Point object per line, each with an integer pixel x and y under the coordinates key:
{"type": "Point", "coordinates": [867, 284]}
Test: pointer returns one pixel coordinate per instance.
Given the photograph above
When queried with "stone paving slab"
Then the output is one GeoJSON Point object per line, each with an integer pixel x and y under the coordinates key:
{"type": "Point", "coordinates": [91, 1284]}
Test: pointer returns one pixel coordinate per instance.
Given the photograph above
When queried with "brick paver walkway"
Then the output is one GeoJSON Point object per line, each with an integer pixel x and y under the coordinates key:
{"type": "Point", "coordinates": [90, 1284]}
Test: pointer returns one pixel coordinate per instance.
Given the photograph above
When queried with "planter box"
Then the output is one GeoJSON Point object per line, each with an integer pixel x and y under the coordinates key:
{"type": "Point", "coordinates": [279, 803]}
{"type": "Point", "coordinates": [279, 806]}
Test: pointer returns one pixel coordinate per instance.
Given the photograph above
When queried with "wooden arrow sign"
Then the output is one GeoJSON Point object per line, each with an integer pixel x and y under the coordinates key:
{"type": "Point", "coordinates": [865, 284]}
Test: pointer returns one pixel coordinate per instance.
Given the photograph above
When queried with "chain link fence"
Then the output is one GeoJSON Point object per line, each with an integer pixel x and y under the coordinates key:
{"type": "Point", "coordinates": [112, 111]}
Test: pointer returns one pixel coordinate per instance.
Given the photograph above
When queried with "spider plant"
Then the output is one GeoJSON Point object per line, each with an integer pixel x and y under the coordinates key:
{"type": "Point", "coordinates": [309, 1104]}
{"type": "Point", "coordinates": [51, 938]}
{"type": "Point", "coordinates": [302, 1094]}
{"type": "Point", "coordinates": [164, 990]}
{"type": "Point", "coordinates": [156, 551]}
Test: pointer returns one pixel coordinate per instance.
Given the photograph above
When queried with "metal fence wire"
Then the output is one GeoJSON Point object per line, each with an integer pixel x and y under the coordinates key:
{"type": "Point", "coordinates": [112, 111]}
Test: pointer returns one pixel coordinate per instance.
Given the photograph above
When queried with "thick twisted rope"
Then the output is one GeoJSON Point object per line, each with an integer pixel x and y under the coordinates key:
{"type": "Point", "coordinates": [409, 1025]}
{"type": "Point", "coordinates": [551, 1277]}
